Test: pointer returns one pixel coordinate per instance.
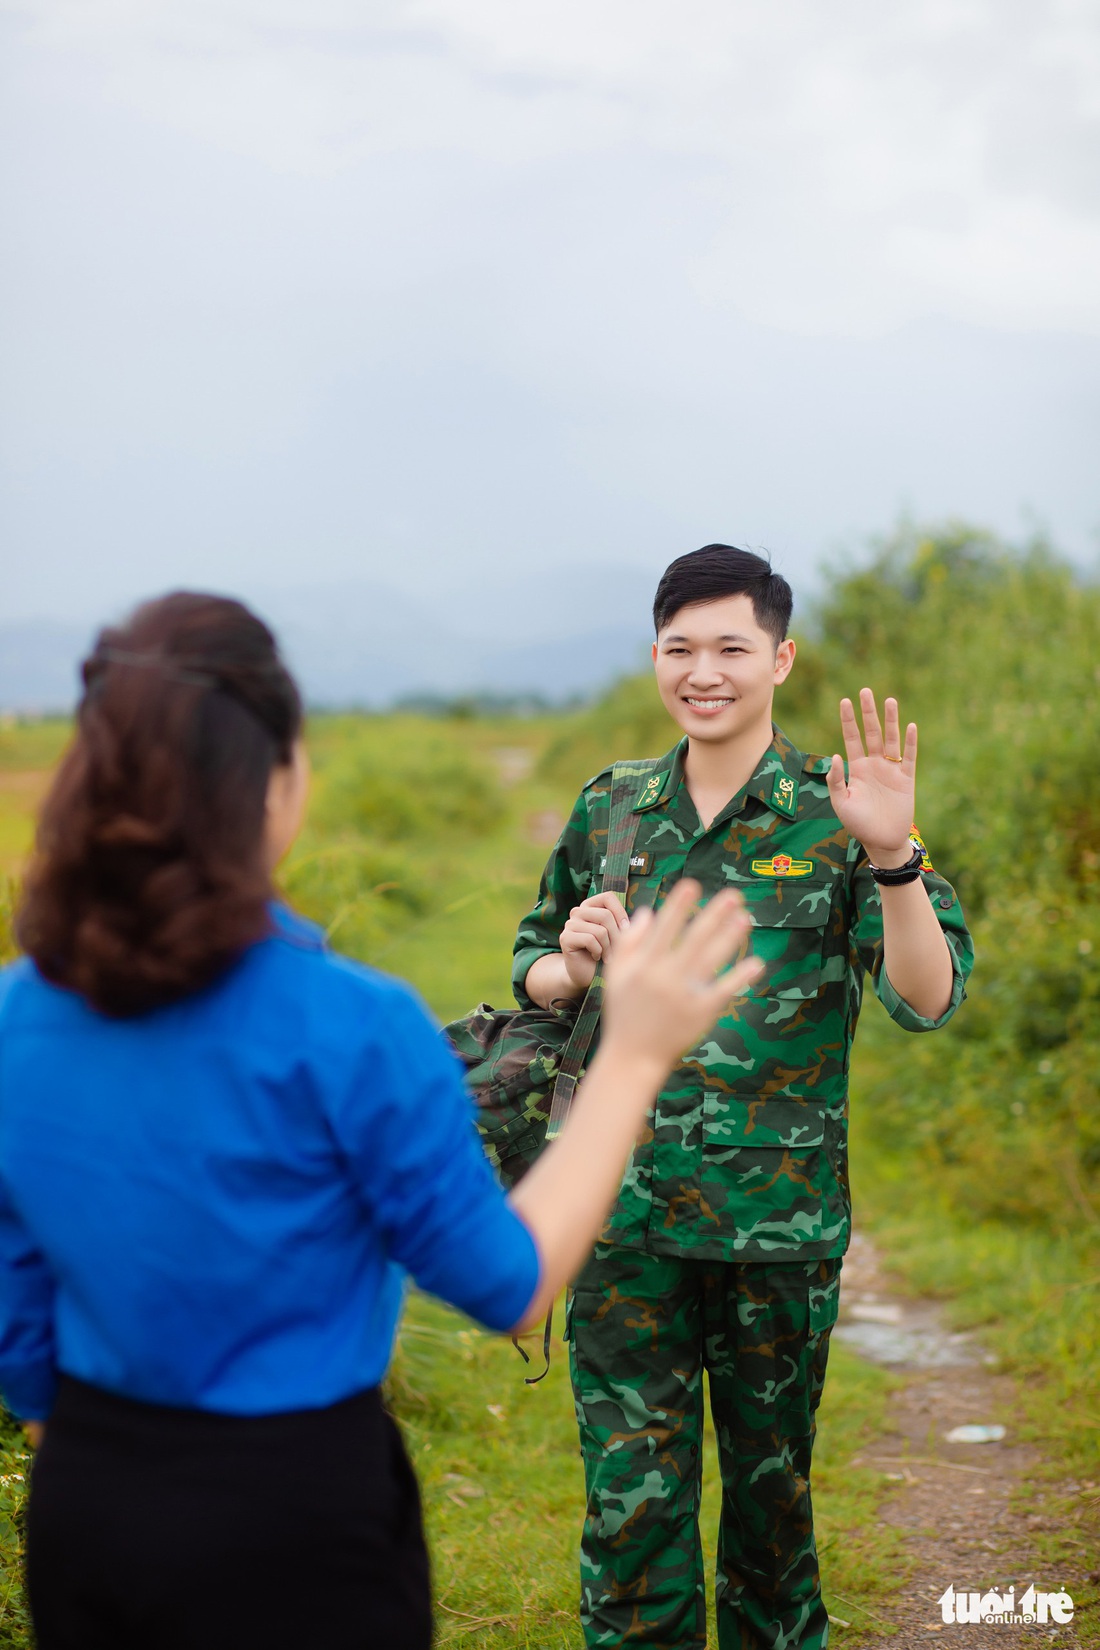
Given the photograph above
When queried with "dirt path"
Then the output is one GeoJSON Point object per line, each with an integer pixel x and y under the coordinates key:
{"type": "Point", "coordinates": [952, 1499]}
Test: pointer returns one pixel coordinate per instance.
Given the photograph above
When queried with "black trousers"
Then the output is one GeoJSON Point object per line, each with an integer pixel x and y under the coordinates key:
{"type": "Point", "coordinates": [166, 1529]}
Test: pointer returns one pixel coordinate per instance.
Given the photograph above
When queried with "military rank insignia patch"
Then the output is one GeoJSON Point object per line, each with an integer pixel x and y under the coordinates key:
{"type": "Point", "coordinates": [782, 865]}
{"type": "Point", "coordinates": [654, 785]}
{"type": "Point", "coordinates": [785, 794]}
{"type": "Point", "coordinates": [918, 842]}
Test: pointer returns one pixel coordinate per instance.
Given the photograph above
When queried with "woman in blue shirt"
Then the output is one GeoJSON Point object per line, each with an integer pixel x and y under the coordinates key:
{"type": "Point", "coordinates": [222, 1148]}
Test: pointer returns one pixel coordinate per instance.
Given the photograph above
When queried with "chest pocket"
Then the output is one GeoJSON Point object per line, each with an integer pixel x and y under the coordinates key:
{"type": "Point", "coordinates": [789, 923]}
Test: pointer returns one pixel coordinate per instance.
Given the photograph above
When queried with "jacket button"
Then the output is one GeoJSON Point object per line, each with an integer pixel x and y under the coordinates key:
{"type": "Point", "coordinates": [946, 902]}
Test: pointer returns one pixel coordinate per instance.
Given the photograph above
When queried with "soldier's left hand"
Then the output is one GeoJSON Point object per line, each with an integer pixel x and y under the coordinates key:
{"type": "Point", "coordinates": [877, 803]}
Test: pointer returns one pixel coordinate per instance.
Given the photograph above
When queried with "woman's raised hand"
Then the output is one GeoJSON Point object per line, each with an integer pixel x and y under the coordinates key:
{"type": "Point", "coordinates": [663, 986]}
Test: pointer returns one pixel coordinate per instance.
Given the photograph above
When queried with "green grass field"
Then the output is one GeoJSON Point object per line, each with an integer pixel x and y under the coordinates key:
{"type": "Point", "coordinates": [504, 1490]}
{"type": "Point", "coordinates": [975, 1154]}
{"type": "Point", "coordinates": [498, 1460]}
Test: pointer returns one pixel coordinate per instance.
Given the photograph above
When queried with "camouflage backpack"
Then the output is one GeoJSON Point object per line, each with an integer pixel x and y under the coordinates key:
{"type": "Point", "coordinates": [523, 1065]}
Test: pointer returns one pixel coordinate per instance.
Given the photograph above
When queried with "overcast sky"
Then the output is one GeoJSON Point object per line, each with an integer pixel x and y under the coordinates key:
{"type": "Point", "coordinates": [420, 291]}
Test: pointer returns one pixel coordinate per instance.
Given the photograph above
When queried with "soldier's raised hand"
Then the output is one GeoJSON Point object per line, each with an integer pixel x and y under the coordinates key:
{"type": "Point", "coordinates": [876, 804]}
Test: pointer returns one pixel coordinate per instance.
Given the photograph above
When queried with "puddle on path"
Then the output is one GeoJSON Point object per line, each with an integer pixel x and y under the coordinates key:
{"type": "Point", "coordinates": [900, 1333]}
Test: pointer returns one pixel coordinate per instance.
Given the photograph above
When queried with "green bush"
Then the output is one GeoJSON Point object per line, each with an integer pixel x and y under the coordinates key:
{"type": "Point", "coordinates": [995, 653]}
{"type": "Point", "coordinates": [407, 787]}
{"type": "Point", "coordinates": [628, 721]}
{"type": "Point", "coordinates": [359, 893]}
{"type": "Point", "coordinates": [996, 1116]}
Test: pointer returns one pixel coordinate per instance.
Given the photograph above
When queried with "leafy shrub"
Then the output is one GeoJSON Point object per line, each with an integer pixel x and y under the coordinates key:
{"type": "Point", "coordinates": [628, 721]}
{"type": "Point", "coordinates": [997, 1114]}
{"type": "Point", "coordinates": [995, 653]}
{"type": "Point", "coordinates": [412, 789]}
{"type": "Point", "coordinates": [359, 893]}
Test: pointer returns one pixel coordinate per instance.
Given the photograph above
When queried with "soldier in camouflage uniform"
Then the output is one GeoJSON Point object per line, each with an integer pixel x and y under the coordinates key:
{"type": "Point", "coordinates": [724, 1250]}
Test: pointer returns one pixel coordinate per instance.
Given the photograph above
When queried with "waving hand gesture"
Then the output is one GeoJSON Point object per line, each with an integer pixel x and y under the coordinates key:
{"type": "Point", "coordinates": [876, 803]}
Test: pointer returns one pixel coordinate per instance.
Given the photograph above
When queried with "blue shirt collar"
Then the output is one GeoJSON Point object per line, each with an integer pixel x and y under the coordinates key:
{"type": "Point", "coordinates": [288, 925]}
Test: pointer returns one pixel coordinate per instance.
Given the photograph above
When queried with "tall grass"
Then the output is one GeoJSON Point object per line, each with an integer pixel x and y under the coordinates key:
{"type": "Point", "coordinates": [976, 1152]}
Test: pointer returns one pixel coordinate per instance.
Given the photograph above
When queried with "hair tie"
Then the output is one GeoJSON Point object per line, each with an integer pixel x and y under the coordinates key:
{"type": "Point", "coordinates": [175, 670]}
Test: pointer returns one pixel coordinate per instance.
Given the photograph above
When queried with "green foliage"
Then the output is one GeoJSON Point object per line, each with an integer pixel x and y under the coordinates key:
{"type": "Point", "coordinates": [8, 947]}
{"type": "Point", "coordinates": [359, 893]}
{"type": "Point", "coordinates": [407, 781]}
{"type": "Point", "coordinates": [15, 1628]}
{"type": "Point", "coordinates": [1000, 1115]}
{"type": "Point", "coordinates": [976, 1151]}
{"type": "Point", "coordinates": [628, 721]}
{"type": "Point", "coordinates": [28, 744]}
{"type": "Point", "coordinates": [394, 799]}
{"type": "Point", "coordinates": [996, 654]}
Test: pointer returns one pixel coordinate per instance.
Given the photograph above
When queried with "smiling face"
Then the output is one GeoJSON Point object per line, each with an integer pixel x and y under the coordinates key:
{"type": "Point", "coordinates": [717, 670]}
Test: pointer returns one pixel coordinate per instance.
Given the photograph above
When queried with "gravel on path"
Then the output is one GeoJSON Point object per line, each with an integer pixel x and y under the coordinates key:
{"type": "Point", "coordinates": [954, 1501]}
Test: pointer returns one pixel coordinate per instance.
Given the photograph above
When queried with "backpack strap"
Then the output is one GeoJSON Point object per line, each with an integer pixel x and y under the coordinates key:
{"type": "Point", "coordinates": [622, 827]}
{"type": "Point", "coordinates": [621, 830]}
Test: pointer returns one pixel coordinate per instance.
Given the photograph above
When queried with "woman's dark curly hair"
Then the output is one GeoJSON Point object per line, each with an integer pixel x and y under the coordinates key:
{"type": "Point", "coordinates": [148, 877]}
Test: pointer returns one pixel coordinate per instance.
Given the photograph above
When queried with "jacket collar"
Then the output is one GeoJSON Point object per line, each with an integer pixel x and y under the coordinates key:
{"type": "Point", "coordinates": [775, 781]}
{"type": "Point", "coordinates": [288, 925]}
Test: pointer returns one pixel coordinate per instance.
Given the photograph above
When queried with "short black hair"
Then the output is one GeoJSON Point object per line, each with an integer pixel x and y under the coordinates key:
{"type": "Point", "coordinates": [719, 570]}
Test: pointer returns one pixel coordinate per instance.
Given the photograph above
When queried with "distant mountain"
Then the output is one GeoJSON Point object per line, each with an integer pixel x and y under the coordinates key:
{"type": "Point", "coordinates": [364, 644]}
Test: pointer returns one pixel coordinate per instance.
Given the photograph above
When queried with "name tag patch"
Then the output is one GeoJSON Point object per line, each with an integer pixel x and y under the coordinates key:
{"type": "Point", "coordinates": [640, 864]}
{"type": "Point", "coordinates": [782, 865]}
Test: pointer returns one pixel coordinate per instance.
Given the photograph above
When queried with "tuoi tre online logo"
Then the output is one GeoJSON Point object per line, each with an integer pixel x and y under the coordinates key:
{"type": "Point", "coordinates": [995, 1609]}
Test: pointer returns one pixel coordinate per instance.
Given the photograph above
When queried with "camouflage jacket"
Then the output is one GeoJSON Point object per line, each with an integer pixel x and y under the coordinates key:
{"type": "Point", "coordinates": [745, 1154]}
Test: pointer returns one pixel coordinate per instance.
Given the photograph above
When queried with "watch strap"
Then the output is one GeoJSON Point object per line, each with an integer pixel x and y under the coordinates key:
{"type": "Point", "coordinates": [894, 876]}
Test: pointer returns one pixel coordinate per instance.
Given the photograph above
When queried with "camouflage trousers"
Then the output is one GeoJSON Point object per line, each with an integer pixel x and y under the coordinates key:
{"type": "Point", "coordinates": [642, 1328]}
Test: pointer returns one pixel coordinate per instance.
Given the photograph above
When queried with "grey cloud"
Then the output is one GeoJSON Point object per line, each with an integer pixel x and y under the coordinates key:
{"type": "Point", "coordinates": [476, 287]}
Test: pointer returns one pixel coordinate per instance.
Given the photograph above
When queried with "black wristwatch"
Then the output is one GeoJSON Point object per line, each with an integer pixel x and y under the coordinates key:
{"type": "Point", "coordinates": [893, 877]}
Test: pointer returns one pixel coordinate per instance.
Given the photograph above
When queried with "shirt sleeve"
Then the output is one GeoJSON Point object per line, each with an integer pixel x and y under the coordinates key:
{"type": "Point", "coordinates": [867, 943]}
{"type": "Point", "coordinates": [565, 881]}
{"type": "Point", "coordinates": [28, 1369]}
{"type": "Point", "coordinates": [405, 1123]}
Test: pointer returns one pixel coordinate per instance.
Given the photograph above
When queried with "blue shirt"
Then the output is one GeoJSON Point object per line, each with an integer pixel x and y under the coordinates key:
{"type": "Point", "coordinates": [213, 1205]}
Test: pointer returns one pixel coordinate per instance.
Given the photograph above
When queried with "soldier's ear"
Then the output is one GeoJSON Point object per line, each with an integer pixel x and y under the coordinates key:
{"type": "Point", "coordinates": [784, 659]}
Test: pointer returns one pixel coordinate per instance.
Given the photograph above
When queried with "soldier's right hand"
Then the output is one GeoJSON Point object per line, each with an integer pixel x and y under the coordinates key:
{"type": "Point", "coordinates": [592, 930]}
{"type": "Point", "coordinates": [664, 989]}
{"type": "Point", "coordinates": [663, 993]}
